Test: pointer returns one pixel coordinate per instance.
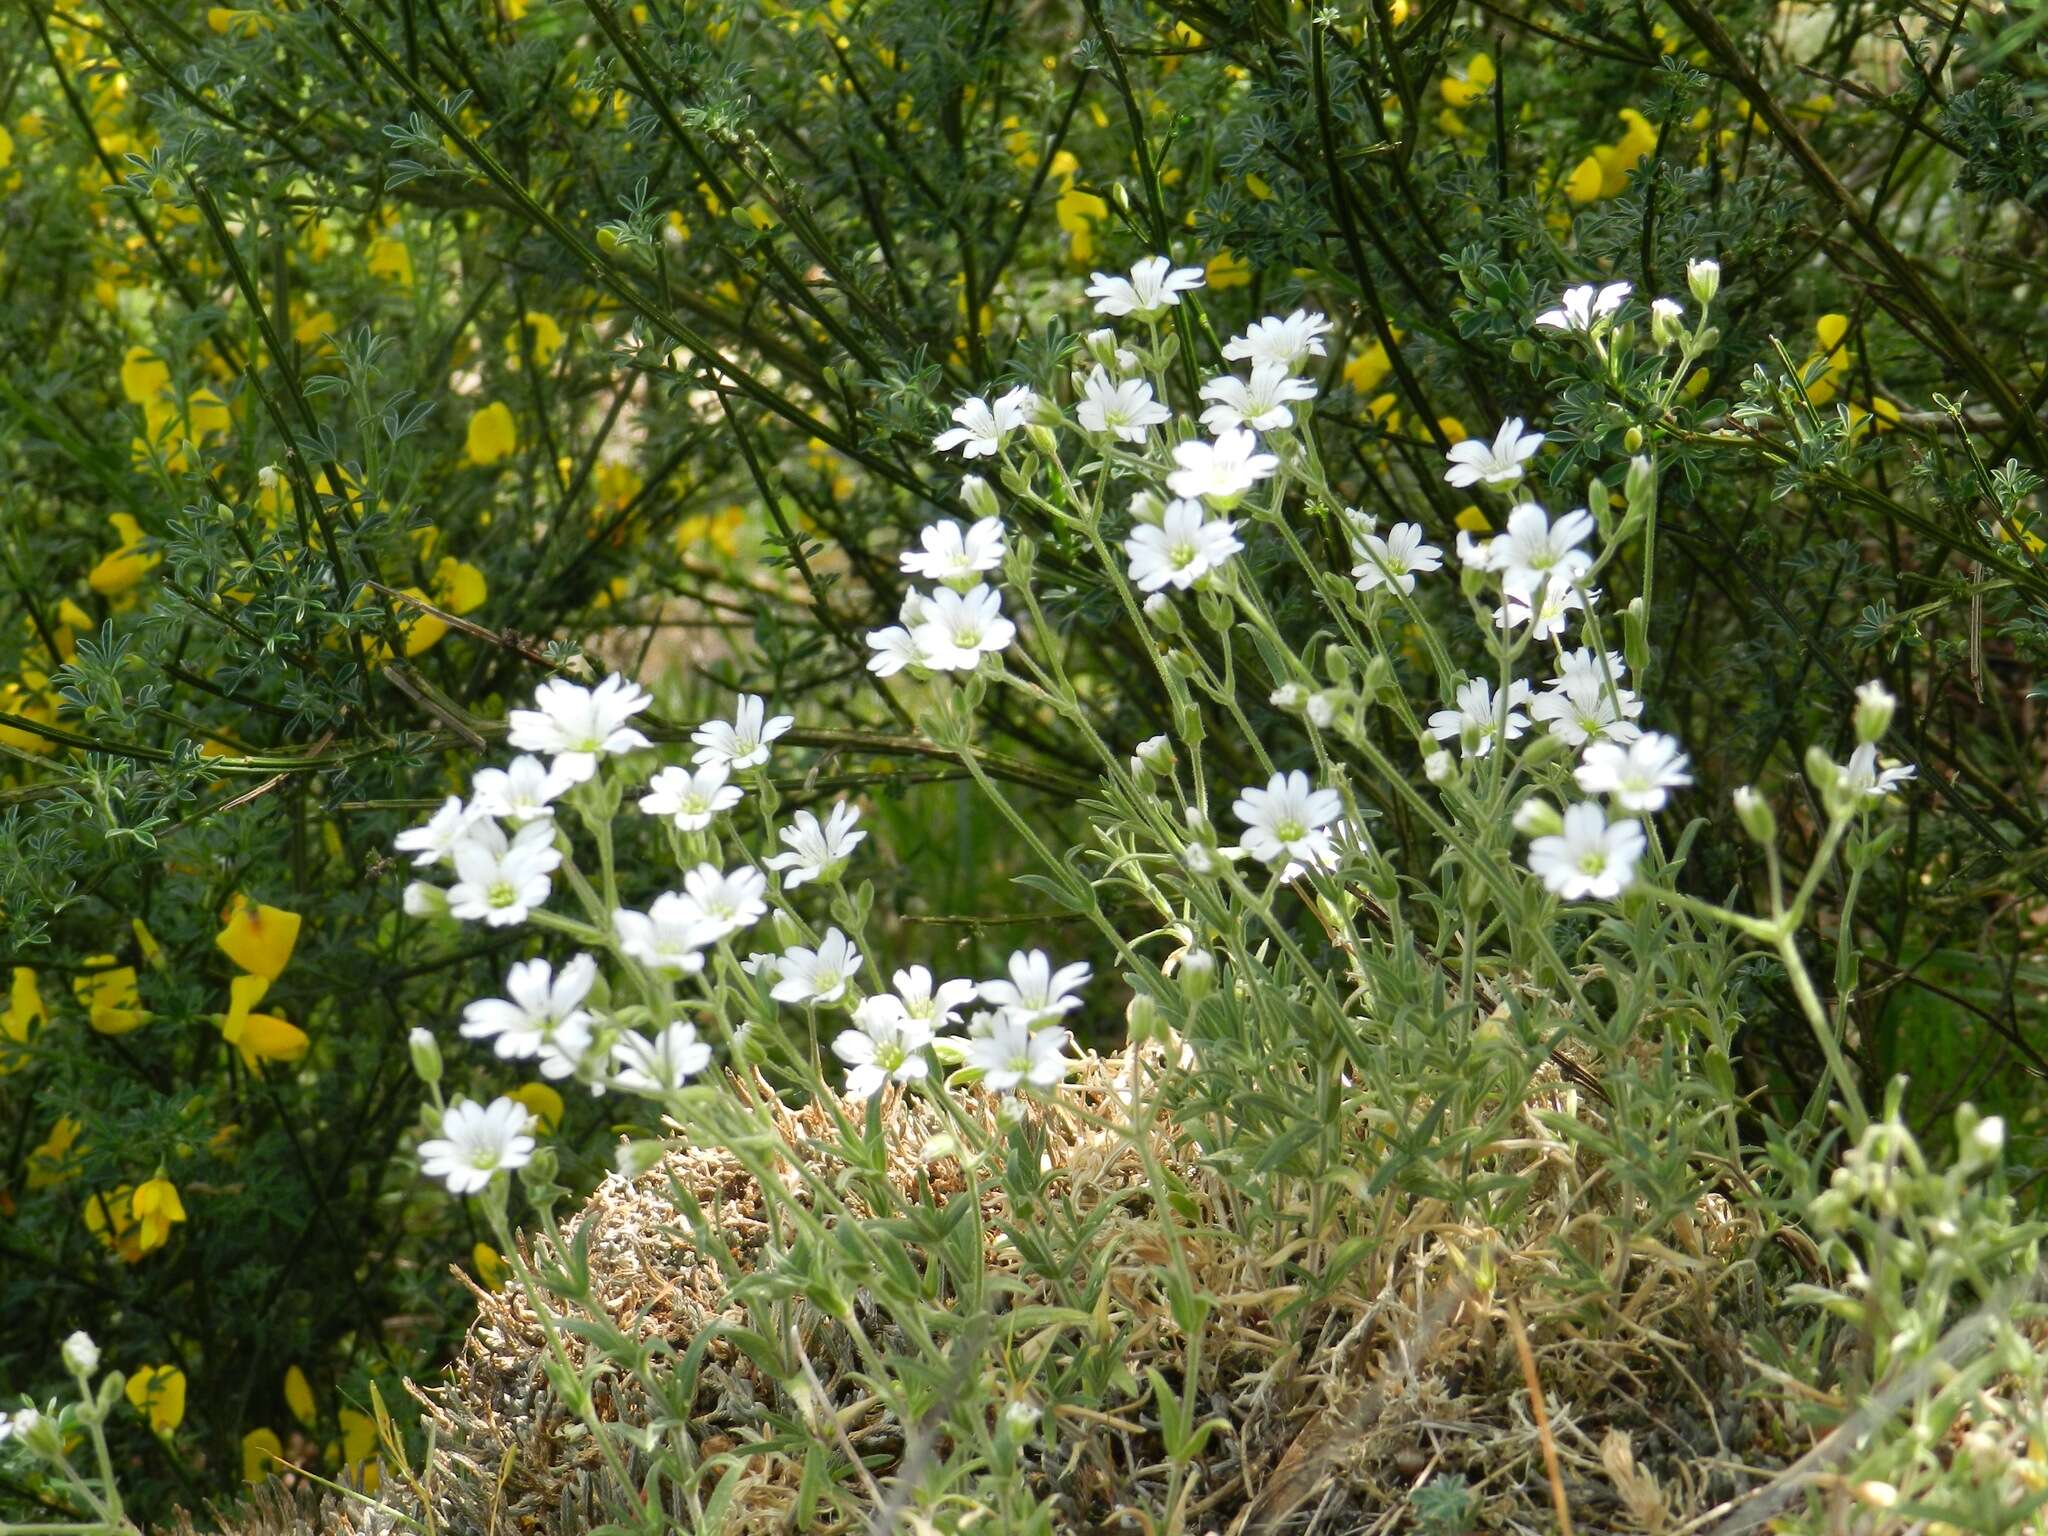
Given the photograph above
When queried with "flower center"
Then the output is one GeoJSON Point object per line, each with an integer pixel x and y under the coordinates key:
{"type": "Point", "coordinates": [1592, 862]}
{"type": "Point", "coordinates": [1182, 555]}
{"type": "Point", "coordinates": [503, 893]}
{"type": "Point", "coordinates": [1290, 830]}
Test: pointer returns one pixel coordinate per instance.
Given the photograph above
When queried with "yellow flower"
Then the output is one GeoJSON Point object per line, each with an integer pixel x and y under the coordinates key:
{"type": "Point", "coordinates": [1583, 185]}
{"type": "Point", "coordinates": [119, 572]}
{"type": "Point", "coordinates": [1228, 271]}
{"type": "Point", "coordinates": [490, 1268]}
{"type": "Point", "coordinates": [390, 260]}
{"type": "Point", "coordinates": [158, 1393]}
{"type": "Point", "coordinates": [144, 376]}
{"type": "Point", "coordinates": [260, 1037]}
{"type": "Point", "coordinates": [1472, 520]}
{"type": "Point", "coordinates": [145, 941]}
{"type": "Point", "coordinates": [50, 1161]}
{"type": "Point", "coordinates": [358, 1443]}
{"type": "Point", "coordinates": [459, 586]}
{"type": "Point", "coordinates": [1477, 80]}
{"type": "Point", "coordinates": [1365, 372]}
{"type": "Point", "coordinates": [546, 337]}
{"type": "Point", "coordinates": [259, 939]}
{"type": "Point", "coordinates": [112, 1002]}
{"type": "Point", "coordinates": [262, 1452]}
{"type": "Point", "coordinates": [24, 1016]}
{"type": "Point", "coordinates": [109, 1217]}
{"type": "Point", "coordinates": [617, 484]}
{"type": "Point", "coordinates": [156, 1208]}
{"type": "Point", "coordinates": [492, 434]}
{"type": "Point", "coordinates": [298, 1396]}
{"type": "Point", "coordinates": [1831, 355]}
{"type": "Point", "coordinates": [543, 1101]}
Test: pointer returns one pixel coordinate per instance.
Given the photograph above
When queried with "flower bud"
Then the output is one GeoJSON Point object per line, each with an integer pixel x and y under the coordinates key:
{"type": "Point", "coordinates": [1143, 1017]}
{"type": "Point", "coordinates": [1154, 755]}
{"type": "Point", "coordinates": [1537, 817]}
{"type": "Point", "coordinates": [1641, 484]}
{"type": "Point", "coordinates": [541, 1168]}
{"type": "Point", "coordinates": [1874, 709]}
{"type": "Point", "coordinates": [1825, 772]}
{"type": "Point", "coordinates": [1438, 766]}
{"type": "Point", "coordinates": [81, 1355]}
{"type": "Point", "coordinates": [1704, 279]}
{"type": "Point", "coordinates": [1197, 974]}
{"type": "Point", "coordinates": [1043, 440]}
{"type": "Point", "coordinates": [634, 1156]}
{"type": "Point", "coordinates": [426, 1055]}
{"type": "Point", "coordinates": [1160, 610]}
{"type": "Point", "coordinates": [1754, 812]}
{"type": "Point", "coordinates": [1288, 696]}
{"type": "Point", "coordinates": [1321, 708]}
{"type": "Point", "coordinates": [1632, 440]}
{"type": "Point", "coordinates": [424, 900]}
{"type": "Point", "coordinates": [977, 496]}
{"type": "Point", "coordinates": [1667, 322]}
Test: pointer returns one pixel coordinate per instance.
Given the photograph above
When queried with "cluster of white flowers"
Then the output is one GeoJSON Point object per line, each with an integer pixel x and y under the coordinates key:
{"type": "Point", "coordinates": [1018, 1042]}
{"type": "Point", "coordinates": [961, 621]}
{"type": "Point", "coordinates": [561, 1018]}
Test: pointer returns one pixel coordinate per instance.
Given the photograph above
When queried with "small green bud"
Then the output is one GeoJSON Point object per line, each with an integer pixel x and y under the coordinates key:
{"type": "Point", "coordinates": [426, 1055]}
{"type": "Point", "coordinates": [635, 1156]}
{"type": "Point", "coordinates": [978, 497]}
{"type": "Point", "coordinates": [1632, 440]}
{"type": "Point", "coordinates": [1754, 812]}
{"type": "Point", "coordinates": [1537, 817]}
{"type": "Point", "coordinates": [1704, 279]}
{"type": "Point", "coordinates": [1197, 974]}
{"type": "Point", "coordinates": [1143, 1018]}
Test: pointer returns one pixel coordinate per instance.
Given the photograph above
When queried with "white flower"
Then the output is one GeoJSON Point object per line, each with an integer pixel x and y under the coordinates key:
{"type": "Point", "coordinates": [1035, 993]}
{"type": "Point", "coordinates": [1862, 777]}
{"type": "Point", "coordinates": [1499, 462]}
{"type": "Point", "coordinates": [1704, 279]}
{"type": "Point", "coordinates": [668, 937]}
{"type": "Point", "coordinates": [662, 1064]}
{"type": "Point", "coordinates": [1154, 284]}
{"type": "Point", "coordinates": [1012, 1052]}
{"type": "Point", "coordinates": [1285, 820]}
{"type": "Point", "coordinates": [817, 975]}
{"type": "Point", "coordinates": [884, 1046]}
{"type": "Point", "coordinates": [1223, 470]}
{"type": "Point", "coordinates": [1639, 776]}
{"type": "Point", "coordinates": [1667, 321]}
{"type": "Point", "coordinates": [1591, 857]}
{"type": "Point", "coordinates": [435, 842]}
{"type": "Point", "coordinates": [20, 1424]}
{"type": "Point", "coordinates": [960, 628]}
{"type": "Point", "coordinates": [522, 792]}
{"type": "Point", "coordinates": [895, 649]}
{"type": "Point", "coordinates": [936, 1006]}
{"type": "Point", "coordinates": [424, 900]}
{"type": "Point", "coordinates": [1181, 549]}
{"type": "Point", "coordinates": [538, 1003]}
{"type": "Point", "coordinates": [1288, 342]}
{"type": "Point", "coordinates": [1534, 550]}
{"type": "Point", "coordinates": [743, 741]}
{"type": "Point", "coordinates": [1478, 716]}
{"type": "Point", "coordinates": [1580, 307]}
{"type": "Point", "coordinates": [982, 427]}
{"type": "Point", "coordinates": [477, 1140]}
{"type": "Point", "coordinates": [1587, 710]}
{"type": "Point", "coordinates": [500, 882]}
{"type": "Point", "coordinates": [1396, 559]}
{"type": "Point", "coordinates": [1260, 404]}
{"type": "Point", "coordinates": [726, 903]}
{"type": "Point", "coordinates": [576, 726]}
{"type": "Point", "coordinates": [1124, 407]}
{"type": "Point", "coordinates": [1582, 666]}
{"type": "Point", "coordinates": [691, 800]}
{"type": "Point", "coordinates": [953, 556]}
{"type": "Point", "coordinates": [1551, 613]}
{"type": "Point", "coordinates": [817, 850]}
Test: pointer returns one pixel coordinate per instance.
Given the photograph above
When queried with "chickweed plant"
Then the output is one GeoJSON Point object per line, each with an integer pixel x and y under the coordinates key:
{"type": "Point", "coordinates": [1332, 1059]}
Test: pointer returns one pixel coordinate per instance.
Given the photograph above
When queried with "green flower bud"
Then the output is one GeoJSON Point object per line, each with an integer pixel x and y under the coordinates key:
{"type": "Point", "coordinates": [426, 1055]}
{"type": "Point", "coordinates": [1754, 812]}
{"type": "Point", "coordinates": [1874, 709]}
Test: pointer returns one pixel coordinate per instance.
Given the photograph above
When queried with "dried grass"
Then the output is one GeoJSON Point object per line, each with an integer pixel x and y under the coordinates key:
{"type": "Point", "coordinates": [1337, 1409]}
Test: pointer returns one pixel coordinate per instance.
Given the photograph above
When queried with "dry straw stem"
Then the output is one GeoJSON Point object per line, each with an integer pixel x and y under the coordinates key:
{"type": "Point", "coordinates": [1343, 1389]}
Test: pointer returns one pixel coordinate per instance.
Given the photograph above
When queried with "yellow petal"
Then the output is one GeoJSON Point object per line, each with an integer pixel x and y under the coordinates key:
{"type": "Point", "coordinates": [258, 938]}
{"type": "Point", "coordinates": [358, 1436]}
{"type": "Point", "coordinates": [298, 1396]}
{"type": "Point", "coordinates": [144, 376]}
{"type": "Point", "coordinates": [459, 586]}
{"type": "Point", "coordinates": [262, 1451]}
{"type": "Point", "coordinates": [543, 1101]}
{"type": "Point", "coordinates": [492, 434]}
{"type": "Point", "coordinates": [158, 1392]}
{"type": "Point", "coordinates": [1830, 329]}
{"type": "Point", "coordinates": [1583, 185]}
